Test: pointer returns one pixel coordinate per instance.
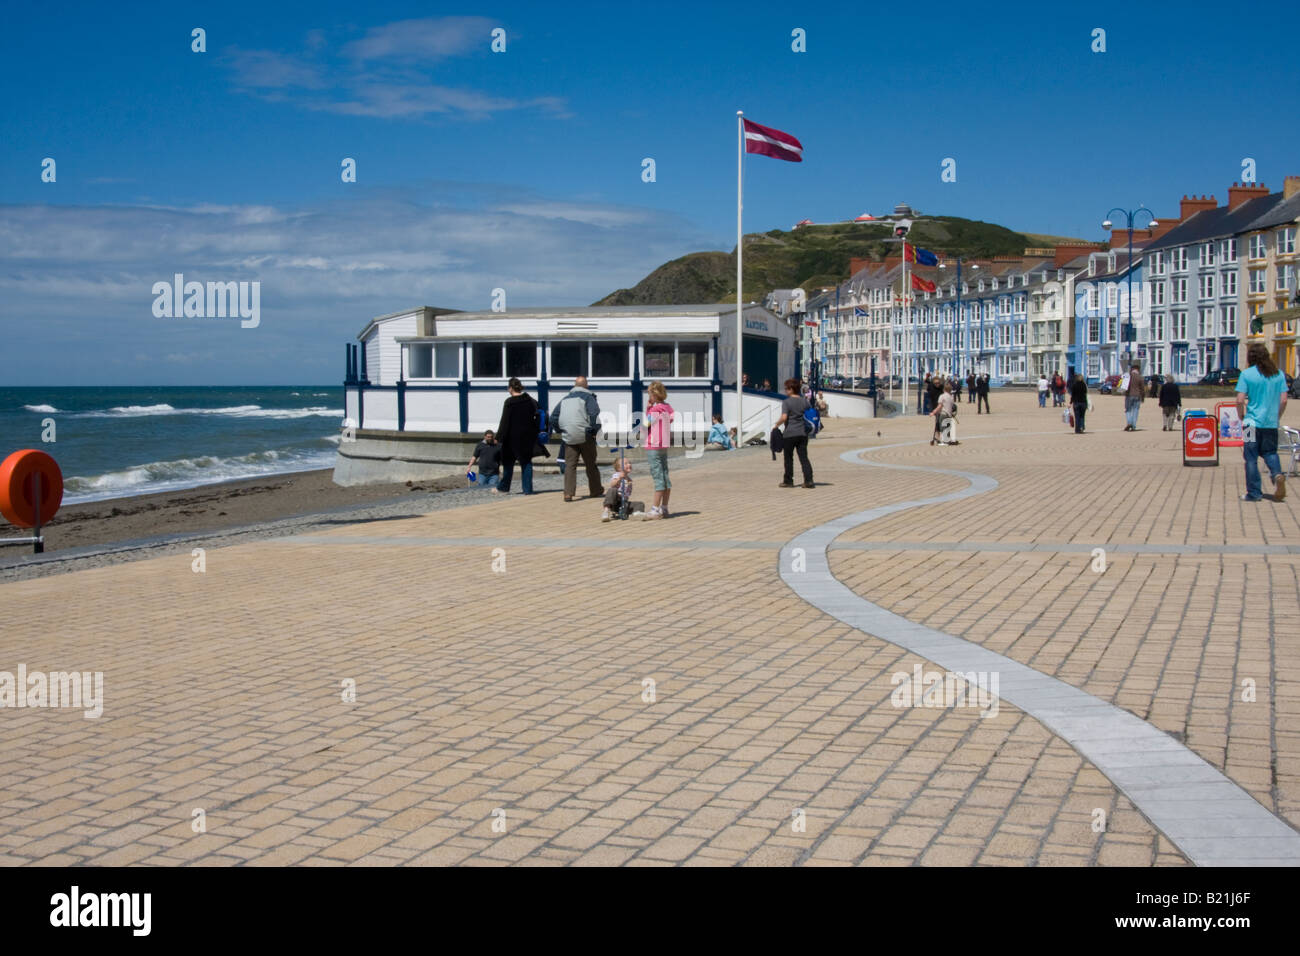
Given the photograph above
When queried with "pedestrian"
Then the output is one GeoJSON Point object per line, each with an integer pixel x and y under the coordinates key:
{"type": "Point", "coordinates": [982, 390]}
{"type": "Point", "coordinates": [794, 432]}
{"type": "Point", "coordinates": [970, 387]}
{"type": "Point", "coordinates": [620, 487]}
{"type": "Point", "coordinates": [1079, 399]}
{"type": "Point", "coordinates": [945, 411]}
{"type": "Point", "coordinates": [1134, 392]}
{"type": "Point", "coordinates": [518, 434]}
{"type": "Point", "coordinates": [956, 388]}
{"type": "Point", "coordinates": [1171, 399]}
{"type": "Point", "coordinates": [1058, 390]}
{"type": "Point", "coordinates": [1042, 390]}
{"type": "Point", "coordinates": [1261, 400]}
{"type": "Point", "coordinates": [487, 459]}
{"type": "Point", "coordinates": [577, 418]}
{"type": "Point", "coordinates": [659, 436]}
{"type": "Point", "coordinates": [928, 395]}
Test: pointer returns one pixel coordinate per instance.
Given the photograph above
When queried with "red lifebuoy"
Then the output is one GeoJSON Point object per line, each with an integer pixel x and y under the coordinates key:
{"type": "Point", "coordinates": [18, 476]}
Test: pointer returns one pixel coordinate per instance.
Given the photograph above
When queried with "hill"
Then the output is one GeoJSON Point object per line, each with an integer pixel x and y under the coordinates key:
{"type": "Point", "coordinates": [810, 258]}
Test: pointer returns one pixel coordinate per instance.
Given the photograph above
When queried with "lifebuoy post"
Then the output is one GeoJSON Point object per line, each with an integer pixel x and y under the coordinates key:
{"type": "Point", "coordinates": [31, 490]}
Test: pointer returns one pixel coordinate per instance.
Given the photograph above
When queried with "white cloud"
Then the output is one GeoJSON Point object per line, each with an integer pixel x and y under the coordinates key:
{"type": "Point", "coordinates": [75, 281]}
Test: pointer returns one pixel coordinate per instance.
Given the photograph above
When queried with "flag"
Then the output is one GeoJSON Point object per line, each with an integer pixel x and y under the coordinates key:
{"type": "Point", "coordinates": [922, 285]}
{"type": "Point", "coordinates": [859, 313]}
{"type": "Point", "coordinates": [772, 142]}
{"type": "Point", "coordinates": [921, 257]}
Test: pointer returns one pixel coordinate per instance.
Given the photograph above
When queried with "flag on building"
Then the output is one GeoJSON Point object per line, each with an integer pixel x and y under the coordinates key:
{"type": "Point", "coordinates": [772, 142]}
{"type": "Point", "coordinates": [922, 285]}
{"type": "Point", "coordinates": [921, 257]}
{"type": "Point", "coordinates": [859, 313]}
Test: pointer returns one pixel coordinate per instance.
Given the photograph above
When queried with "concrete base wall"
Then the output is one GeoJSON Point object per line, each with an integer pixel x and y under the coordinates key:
{"type": "Point", "coordinates": [378, 457]}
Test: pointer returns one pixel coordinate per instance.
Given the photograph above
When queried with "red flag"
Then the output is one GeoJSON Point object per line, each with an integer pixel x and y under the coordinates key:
{"type": "Point", "coordinates": [922, 285]}
{"type": "Point", "coordinates": [772, 142]}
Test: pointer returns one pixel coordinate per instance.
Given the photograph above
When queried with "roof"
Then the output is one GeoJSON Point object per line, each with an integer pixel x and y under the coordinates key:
{"type": "Point", "coordinates": [1217, 223]}
{"type": "Point", "coordinates": [429, 309]}
{"type": "Point", "coordinates": [1288, 210]}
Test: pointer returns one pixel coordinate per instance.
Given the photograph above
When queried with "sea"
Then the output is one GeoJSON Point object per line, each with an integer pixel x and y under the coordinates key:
{"type": "Point", "coordinates": [114, 442]}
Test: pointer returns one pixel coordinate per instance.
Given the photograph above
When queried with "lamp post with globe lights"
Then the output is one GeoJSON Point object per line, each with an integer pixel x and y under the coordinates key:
{"type": "Point", "coordinates": [1107, 224]}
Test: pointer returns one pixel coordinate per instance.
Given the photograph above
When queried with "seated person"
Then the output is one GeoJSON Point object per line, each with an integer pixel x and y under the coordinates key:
{"type": "Point", "coordinates": [719, 439]}
{"type": "Point", "coordinates": [620, 481]}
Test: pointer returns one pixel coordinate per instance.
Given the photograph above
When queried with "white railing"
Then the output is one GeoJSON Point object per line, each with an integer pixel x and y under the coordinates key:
{"type": "Point", "coordinates": [758, 424]}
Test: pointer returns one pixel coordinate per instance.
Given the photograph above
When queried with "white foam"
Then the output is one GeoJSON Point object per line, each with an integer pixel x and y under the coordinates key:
{"type": "Point", "coordinates": [40, 408]}
{"type": "Point", "coordinates": [189, 473]}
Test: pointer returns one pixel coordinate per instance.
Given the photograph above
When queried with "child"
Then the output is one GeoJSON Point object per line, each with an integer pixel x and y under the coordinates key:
{"type": "Point", "coordinates": [619, 482]}
{"type": "Point", "coordinates": [659, 435]}
{"type": "Point", "coordinates": [719, 439]}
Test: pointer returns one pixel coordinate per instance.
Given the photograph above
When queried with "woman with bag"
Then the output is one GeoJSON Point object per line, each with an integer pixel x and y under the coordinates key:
{"type": "Point", "coordinates": [1079, 401]}
{"type": "Point", "coordinates": [1171, 399]}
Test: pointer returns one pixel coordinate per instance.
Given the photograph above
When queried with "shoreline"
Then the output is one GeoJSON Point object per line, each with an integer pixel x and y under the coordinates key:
{"type": "Point", "coordinates": [212, 508]}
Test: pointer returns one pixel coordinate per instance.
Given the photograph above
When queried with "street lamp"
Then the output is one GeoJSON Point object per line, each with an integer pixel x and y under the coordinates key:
{"type": "Point", "coordinates": [1106, 224]}
{"type": "Point", "coordinates": [956, 364]}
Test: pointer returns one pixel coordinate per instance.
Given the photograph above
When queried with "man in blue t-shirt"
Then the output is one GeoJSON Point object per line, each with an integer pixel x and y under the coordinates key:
{"type": "Point", "coordinates": [1261, 399]}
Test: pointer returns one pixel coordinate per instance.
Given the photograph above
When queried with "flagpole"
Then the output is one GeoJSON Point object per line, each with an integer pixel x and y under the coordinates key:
{"type": "Point", "coordinates": [740, 298]}
{"type": "Point", "coordinates": [907, 372]}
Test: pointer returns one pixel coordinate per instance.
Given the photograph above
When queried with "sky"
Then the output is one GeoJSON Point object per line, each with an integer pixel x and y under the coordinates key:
{"type": "Point", "coordinates": [523, 169]}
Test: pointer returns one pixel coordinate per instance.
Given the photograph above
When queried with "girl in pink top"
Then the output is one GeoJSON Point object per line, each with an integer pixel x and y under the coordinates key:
{"type": "Point", "coordinates": [659, 417]}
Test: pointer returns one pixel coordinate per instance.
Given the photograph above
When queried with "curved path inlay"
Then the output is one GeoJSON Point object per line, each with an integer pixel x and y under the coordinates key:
{"type": "Point", "coordinates": [1212, 820]}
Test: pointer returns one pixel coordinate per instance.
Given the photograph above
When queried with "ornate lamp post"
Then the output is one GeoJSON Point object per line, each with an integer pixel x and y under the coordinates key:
{"type": "Point", "coordinates": [1128, 324]}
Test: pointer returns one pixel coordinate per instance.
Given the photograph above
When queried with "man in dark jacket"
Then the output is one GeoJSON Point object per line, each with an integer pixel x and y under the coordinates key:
{"type": "Point", "coordinates": [517, 433]}
{"type": "Point", "coordinates": [577, 418]}
{"type": "Point", "coordinates": [982, 391]}
{"type": "Point", "coordinates": [970, 387]}
{"type": "Point", "coordinates": [1171, 399]}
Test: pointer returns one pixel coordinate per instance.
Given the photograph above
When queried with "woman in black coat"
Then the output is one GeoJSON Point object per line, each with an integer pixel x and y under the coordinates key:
{"type": "Point", "coordinates": [517, 435]}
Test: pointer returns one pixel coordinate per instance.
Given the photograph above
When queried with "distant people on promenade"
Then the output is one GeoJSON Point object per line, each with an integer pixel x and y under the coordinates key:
{"type": "Point", "coordinates": [1261, 400]}
{"type": "Point", "coordinates": [1042, 391]}
{"type": "Point", "coordinates": [794, 432]}
{"type": "Point", "coordinates": [659, 437]}
{"type": "Point", "coordinates": [945, 414]}
{"type": "Point", "coordinates": [1171, 399]}
{"type": "Point", "coordinates": [1134, 392]}
{"type": "Point", "coordinates": [577, 418]}
{"type": "Point", "coordinates": [970, 387]}
{"type": "Point", "coordinates": [487, 459]}
{"type": "Point", "coordinates": [518, 433]}
{"type": "Point", "coordinates": [1079, 401]}
{"type": "Point", "coordinates": [1058, 390]}
{"type": "Point", "coordinates": [927, 394]}
{"type": "Point", "coordinates": [982, 392]}
{"type": "Point", "coordinates": [956, 388]}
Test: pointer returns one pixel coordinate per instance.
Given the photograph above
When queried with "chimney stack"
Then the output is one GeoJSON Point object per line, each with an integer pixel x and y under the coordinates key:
{"type": "Point", "coordinates": [1190, 207]}
{"type": "Point", "coordinates": [1239, 193]}
{"type": "Point", "coordinates": [1290, 186]}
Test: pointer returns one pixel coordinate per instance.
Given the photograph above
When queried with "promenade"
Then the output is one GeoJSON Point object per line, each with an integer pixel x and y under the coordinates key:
{"type": "Point", "coordinates": [534, 686]}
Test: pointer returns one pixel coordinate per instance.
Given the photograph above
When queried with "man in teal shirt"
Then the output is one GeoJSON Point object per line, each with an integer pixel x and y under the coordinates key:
{"type": "Point", "coordinates": [1261, 399]}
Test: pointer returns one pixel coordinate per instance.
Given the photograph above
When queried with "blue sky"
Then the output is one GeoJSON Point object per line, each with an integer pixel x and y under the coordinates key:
{"type": "Point", "coordinates": [522, 169]}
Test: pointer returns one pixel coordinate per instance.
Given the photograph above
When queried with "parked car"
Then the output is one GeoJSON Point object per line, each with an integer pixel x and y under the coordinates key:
{"type": "Point", "coordinates": [1222, 376]}
{"type": "Point", "coordinates": [1108, 386]}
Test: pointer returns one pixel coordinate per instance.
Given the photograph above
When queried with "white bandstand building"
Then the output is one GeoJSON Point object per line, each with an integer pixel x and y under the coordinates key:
{"type": "Point", "coordinates": [423, 384]}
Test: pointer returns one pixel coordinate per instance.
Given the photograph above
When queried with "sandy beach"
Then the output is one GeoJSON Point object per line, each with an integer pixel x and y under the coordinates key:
{"type": "Point", "coordinates": [217, 507]}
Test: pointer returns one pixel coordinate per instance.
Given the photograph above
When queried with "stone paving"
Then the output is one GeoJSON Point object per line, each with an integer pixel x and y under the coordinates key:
{"type": "Point", "coordinates": [501, 654]}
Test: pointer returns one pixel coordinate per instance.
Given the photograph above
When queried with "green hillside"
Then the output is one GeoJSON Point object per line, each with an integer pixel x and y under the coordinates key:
{"type": "Point", "coordinates": [810, 258]}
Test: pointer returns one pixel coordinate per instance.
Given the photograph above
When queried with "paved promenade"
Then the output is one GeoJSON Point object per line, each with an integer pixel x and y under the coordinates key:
{"type": "Point", "coordinates": [533, 686]}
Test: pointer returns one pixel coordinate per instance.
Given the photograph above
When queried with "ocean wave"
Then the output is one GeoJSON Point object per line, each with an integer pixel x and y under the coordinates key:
{"type": "Point", "coordinates": [40, 408]}
{"type": "Point", "coordinates": [183, 473]}
{"type": "Point", "coordinates": [234, 411]}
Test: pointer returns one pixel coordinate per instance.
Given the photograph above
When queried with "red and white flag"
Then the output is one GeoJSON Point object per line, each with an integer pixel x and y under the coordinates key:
{"type": "Point", "coordinates": [772, 142]}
